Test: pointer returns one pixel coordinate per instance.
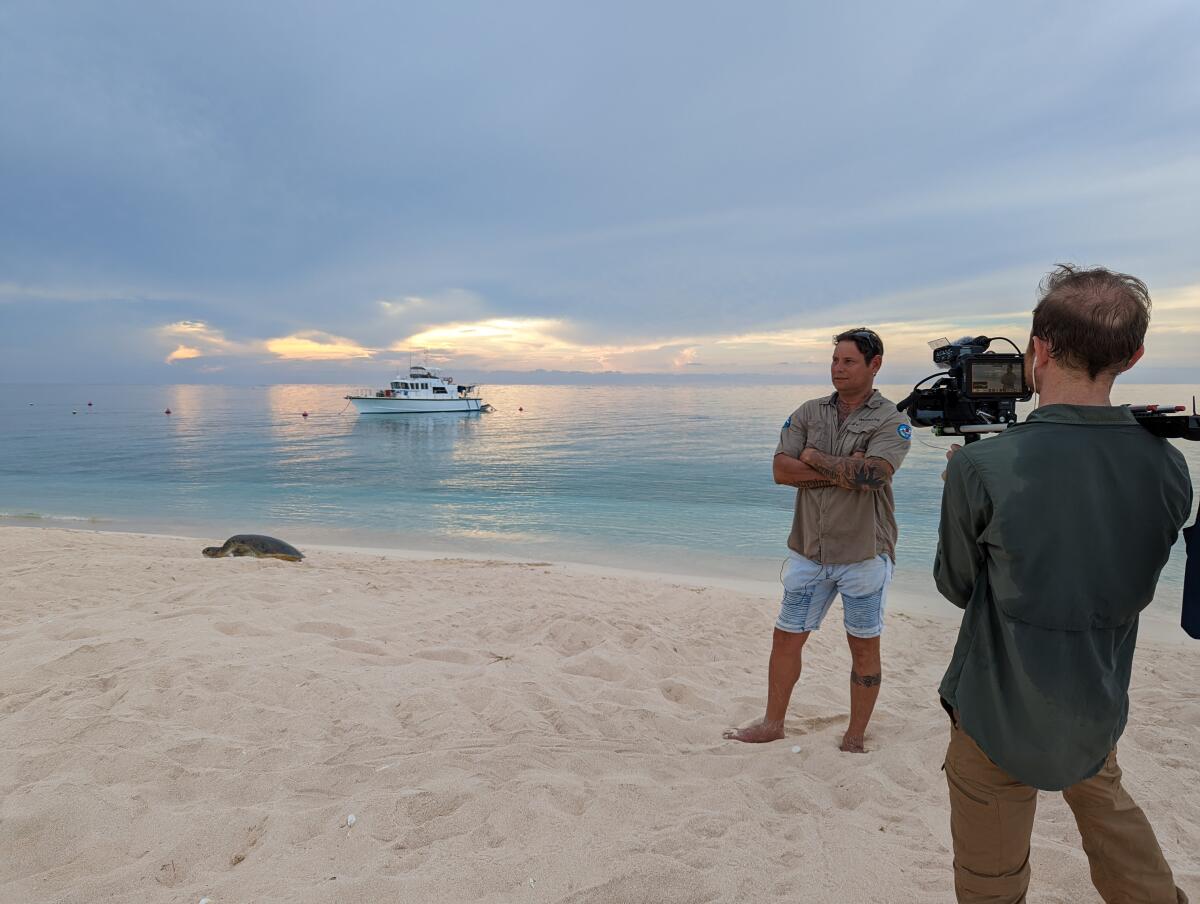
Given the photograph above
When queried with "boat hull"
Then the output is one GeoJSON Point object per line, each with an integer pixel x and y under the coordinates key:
{"type": "Point", "coordinates": [378, 405]}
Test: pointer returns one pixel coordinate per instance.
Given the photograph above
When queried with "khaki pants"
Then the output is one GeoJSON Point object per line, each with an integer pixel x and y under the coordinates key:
{"type": "Point", "coordinates": [991, 820]}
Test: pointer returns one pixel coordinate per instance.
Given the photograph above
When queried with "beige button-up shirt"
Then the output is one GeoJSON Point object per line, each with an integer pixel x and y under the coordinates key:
{"type": "Point", "coordinates": [831, 525]}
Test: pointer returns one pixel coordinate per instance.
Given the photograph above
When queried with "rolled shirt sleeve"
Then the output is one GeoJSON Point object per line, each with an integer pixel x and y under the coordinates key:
{"type": "Point", "coordinates": [794, 435]}
{"type": "Point", "coordinates": [966, 510]}
{"type": "Point", "coordinates": [891, 441]}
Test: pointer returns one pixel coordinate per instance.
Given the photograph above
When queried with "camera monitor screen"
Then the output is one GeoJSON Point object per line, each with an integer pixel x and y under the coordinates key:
{"type": "Point", "coordinates": [1003, 378]}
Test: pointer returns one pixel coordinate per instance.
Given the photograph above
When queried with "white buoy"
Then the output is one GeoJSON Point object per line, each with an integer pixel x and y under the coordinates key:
{"type": "Point", "coordinates": [350, 820]}
{"type": "Point", "coordinates": [206, 901]}
{"type": "Point", "coordinates": [796, 749]}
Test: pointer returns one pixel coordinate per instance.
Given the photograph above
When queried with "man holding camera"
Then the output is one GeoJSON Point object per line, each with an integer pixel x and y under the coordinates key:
{"type": "Point", "coordinates": [1052, 538]}
{"type": "Point", "coordinates": [839, 452]}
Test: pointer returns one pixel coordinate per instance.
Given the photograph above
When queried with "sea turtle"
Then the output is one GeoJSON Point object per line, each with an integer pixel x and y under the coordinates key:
{"type": "Point", "coordinates": [255, 545]}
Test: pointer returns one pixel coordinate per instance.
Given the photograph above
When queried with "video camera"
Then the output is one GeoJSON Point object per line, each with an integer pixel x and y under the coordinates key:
{"type": "Point", "coordinates": [979, 391]}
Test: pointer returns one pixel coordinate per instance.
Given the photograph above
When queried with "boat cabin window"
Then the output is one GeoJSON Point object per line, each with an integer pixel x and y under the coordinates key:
{"type": "Point", "coordinates": [395, 385]}
{"type": "Point", "coordinates": [441, 389]}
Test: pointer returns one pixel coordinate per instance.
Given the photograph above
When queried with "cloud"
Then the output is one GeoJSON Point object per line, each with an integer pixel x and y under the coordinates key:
{"type": "Point", "coordinates": [1174, 330]}
{"type": "Point", "coordinates": [183, 352]}
{"type": "Point", "coordinates": [201, 340]}
{"type": "Point", "coordinates": [686, 358]}
{"type": "Point", "coordinates": [907, 321]}
{"type": "Point", "coordinates": [313, 345]}
{"type": "Point", "coordinates": [406, 305]}
{"type": "Point", "coordinates": [547, 343]}
{"type": "Point", "coordinates": [460, 303]}
{"type": "Point", "coordinates": [514, 334]}
{"type": "Point", "coordinates": [1179, 308]}
{"type": "Point", "coordinates": [193, 328]}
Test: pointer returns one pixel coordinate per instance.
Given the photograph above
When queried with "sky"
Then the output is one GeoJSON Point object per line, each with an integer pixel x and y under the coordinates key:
{"type": "Point", "coordinates": [312, 192]}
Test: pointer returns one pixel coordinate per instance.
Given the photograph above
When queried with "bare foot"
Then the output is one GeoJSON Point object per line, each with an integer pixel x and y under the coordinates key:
{"type": "Point", "coordinates": [852, 744]}
{"type": "Point", "coordinates": [757, 732]}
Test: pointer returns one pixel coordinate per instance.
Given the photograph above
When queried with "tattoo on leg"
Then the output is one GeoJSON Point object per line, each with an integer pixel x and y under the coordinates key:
{"type": "Point", "coordinates": [866, 680]}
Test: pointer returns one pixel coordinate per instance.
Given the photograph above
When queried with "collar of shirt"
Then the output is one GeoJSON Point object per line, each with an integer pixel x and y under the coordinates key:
{"type": "Point", "coordinates": [874, 400]}
{"type": "Point", "coordinates": [1082, 414]}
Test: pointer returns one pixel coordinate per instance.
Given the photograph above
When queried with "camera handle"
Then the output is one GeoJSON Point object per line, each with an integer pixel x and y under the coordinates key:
{"type": "Point", "coordinates": [973, 432]}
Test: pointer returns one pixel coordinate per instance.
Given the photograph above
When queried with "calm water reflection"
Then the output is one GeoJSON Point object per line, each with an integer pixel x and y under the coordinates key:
{"type": "Point", "coordinates": [668, 477]}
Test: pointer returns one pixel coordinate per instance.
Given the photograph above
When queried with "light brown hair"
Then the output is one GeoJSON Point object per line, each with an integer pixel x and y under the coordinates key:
{"type": "Point", "coordinates": [1094, 320]}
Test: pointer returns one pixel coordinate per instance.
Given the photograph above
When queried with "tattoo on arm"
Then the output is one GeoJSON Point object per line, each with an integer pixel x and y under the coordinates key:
{"type": "Point", "coordinates": [803, 476]}
{"type": "Point", "coordinates": [866, 680]}
{"type": "Point", "coordinates": [813, 483]}
{"type": "Point", "coordinates": [852, 473]}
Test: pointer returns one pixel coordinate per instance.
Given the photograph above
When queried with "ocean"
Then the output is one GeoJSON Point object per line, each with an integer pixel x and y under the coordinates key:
{"type": "Point", "coordinates": [663, 477]}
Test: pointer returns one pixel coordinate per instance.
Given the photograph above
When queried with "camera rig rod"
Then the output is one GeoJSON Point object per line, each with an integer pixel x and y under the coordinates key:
{"type": "Point", "coordinates": [1168, 421]}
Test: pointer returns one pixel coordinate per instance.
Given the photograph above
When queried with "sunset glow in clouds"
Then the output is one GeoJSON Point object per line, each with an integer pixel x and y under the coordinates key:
{"type": "Point", "coordinates": [553, 344]}
{"type": "Point", "coordinates": [313, 345]}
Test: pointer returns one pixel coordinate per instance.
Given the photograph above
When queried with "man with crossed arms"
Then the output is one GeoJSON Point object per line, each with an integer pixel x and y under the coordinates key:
{"type": "Point", "coordinates": [839, 452]}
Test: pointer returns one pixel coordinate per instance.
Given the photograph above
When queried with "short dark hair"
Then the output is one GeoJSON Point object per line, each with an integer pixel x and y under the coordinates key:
{"type": "Point", "coordinates": [1094, 320]}
{"type": "Point", "coordinates": [867, 341]}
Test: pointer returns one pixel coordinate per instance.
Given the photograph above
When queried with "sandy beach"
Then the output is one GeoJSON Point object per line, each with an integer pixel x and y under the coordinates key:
{"type": "Point", "coordinates": [174, 728]}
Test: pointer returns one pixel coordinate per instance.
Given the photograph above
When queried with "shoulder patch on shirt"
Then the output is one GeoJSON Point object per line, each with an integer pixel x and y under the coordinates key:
{"type": "Point", "coordinates": [904, 430]}
{"type": "Point", "coordinates": [787, 423]}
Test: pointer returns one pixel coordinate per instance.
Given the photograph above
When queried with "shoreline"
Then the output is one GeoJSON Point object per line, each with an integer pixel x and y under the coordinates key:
{"type": "Point", "coordinates": [910, 592]}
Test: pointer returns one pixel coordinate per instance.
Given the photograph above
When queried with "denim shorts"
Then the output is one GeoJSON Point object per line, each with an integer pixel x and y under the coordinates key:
{"type": "Point", "coordinates": [809, 588]}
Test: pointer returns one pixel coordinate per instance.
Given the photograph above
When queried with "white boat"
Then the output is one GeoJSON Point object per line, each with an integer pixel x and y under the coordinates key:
{"type": "Point", "coordinates": [423, 390]}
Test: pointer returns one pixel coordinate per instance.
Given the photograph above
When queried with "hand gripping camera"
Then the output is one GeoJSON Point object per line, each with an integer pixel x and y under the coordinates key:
{"type": "Point", "coordinates": [978, 393]}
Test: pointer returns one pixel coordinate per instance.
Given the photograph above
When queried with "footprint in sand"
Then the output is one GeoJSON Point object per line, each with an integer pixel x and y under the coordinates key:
{"type": "Point", "coordinates": [426, 806]}
{"type": "Point", "coordinates": [681, 693]}
{"type": "Point", "coordinates": [240, 629]}
{"type": "Point", "coordinates": [170, 874]}
{"type": "Point", "coordinates": [361, 646]}
{"type": "Point", "coordinates": [90, 659]}
{"type": "Point", "coordinates": [325, 629]}
{"type": "Point", "coordinates": [594, 665]}
{"type": "Point", "coordinates": [253, 834]}
{"type": "Point", "coordinates": [816, 723]}
{"type": "Point", "coordinates": [447, 654]}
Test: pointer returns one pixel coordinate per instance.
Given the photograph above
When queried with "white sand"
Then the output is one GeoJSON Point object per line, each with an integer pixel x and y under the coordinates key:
{"type": "Point", "coordinates": [173, 728]}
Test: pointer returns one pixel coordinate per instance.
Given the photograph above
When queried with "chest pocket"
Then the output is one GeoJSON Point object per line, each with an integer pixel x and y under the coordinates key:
{"type": "Point", "coordinates": [855, 436]}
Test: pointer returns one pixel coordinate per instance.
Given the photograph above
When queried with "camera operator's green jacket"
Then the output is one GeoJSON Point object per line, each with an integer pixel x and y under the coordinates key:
{"type": "Point", "coordinates": [1052, 538]}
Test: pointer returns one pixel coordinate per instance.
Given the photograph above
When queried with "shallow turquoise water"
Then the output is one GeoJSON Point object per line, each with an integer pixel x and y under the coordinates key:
{"type": "Point", "coordinates": [671, 478]}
